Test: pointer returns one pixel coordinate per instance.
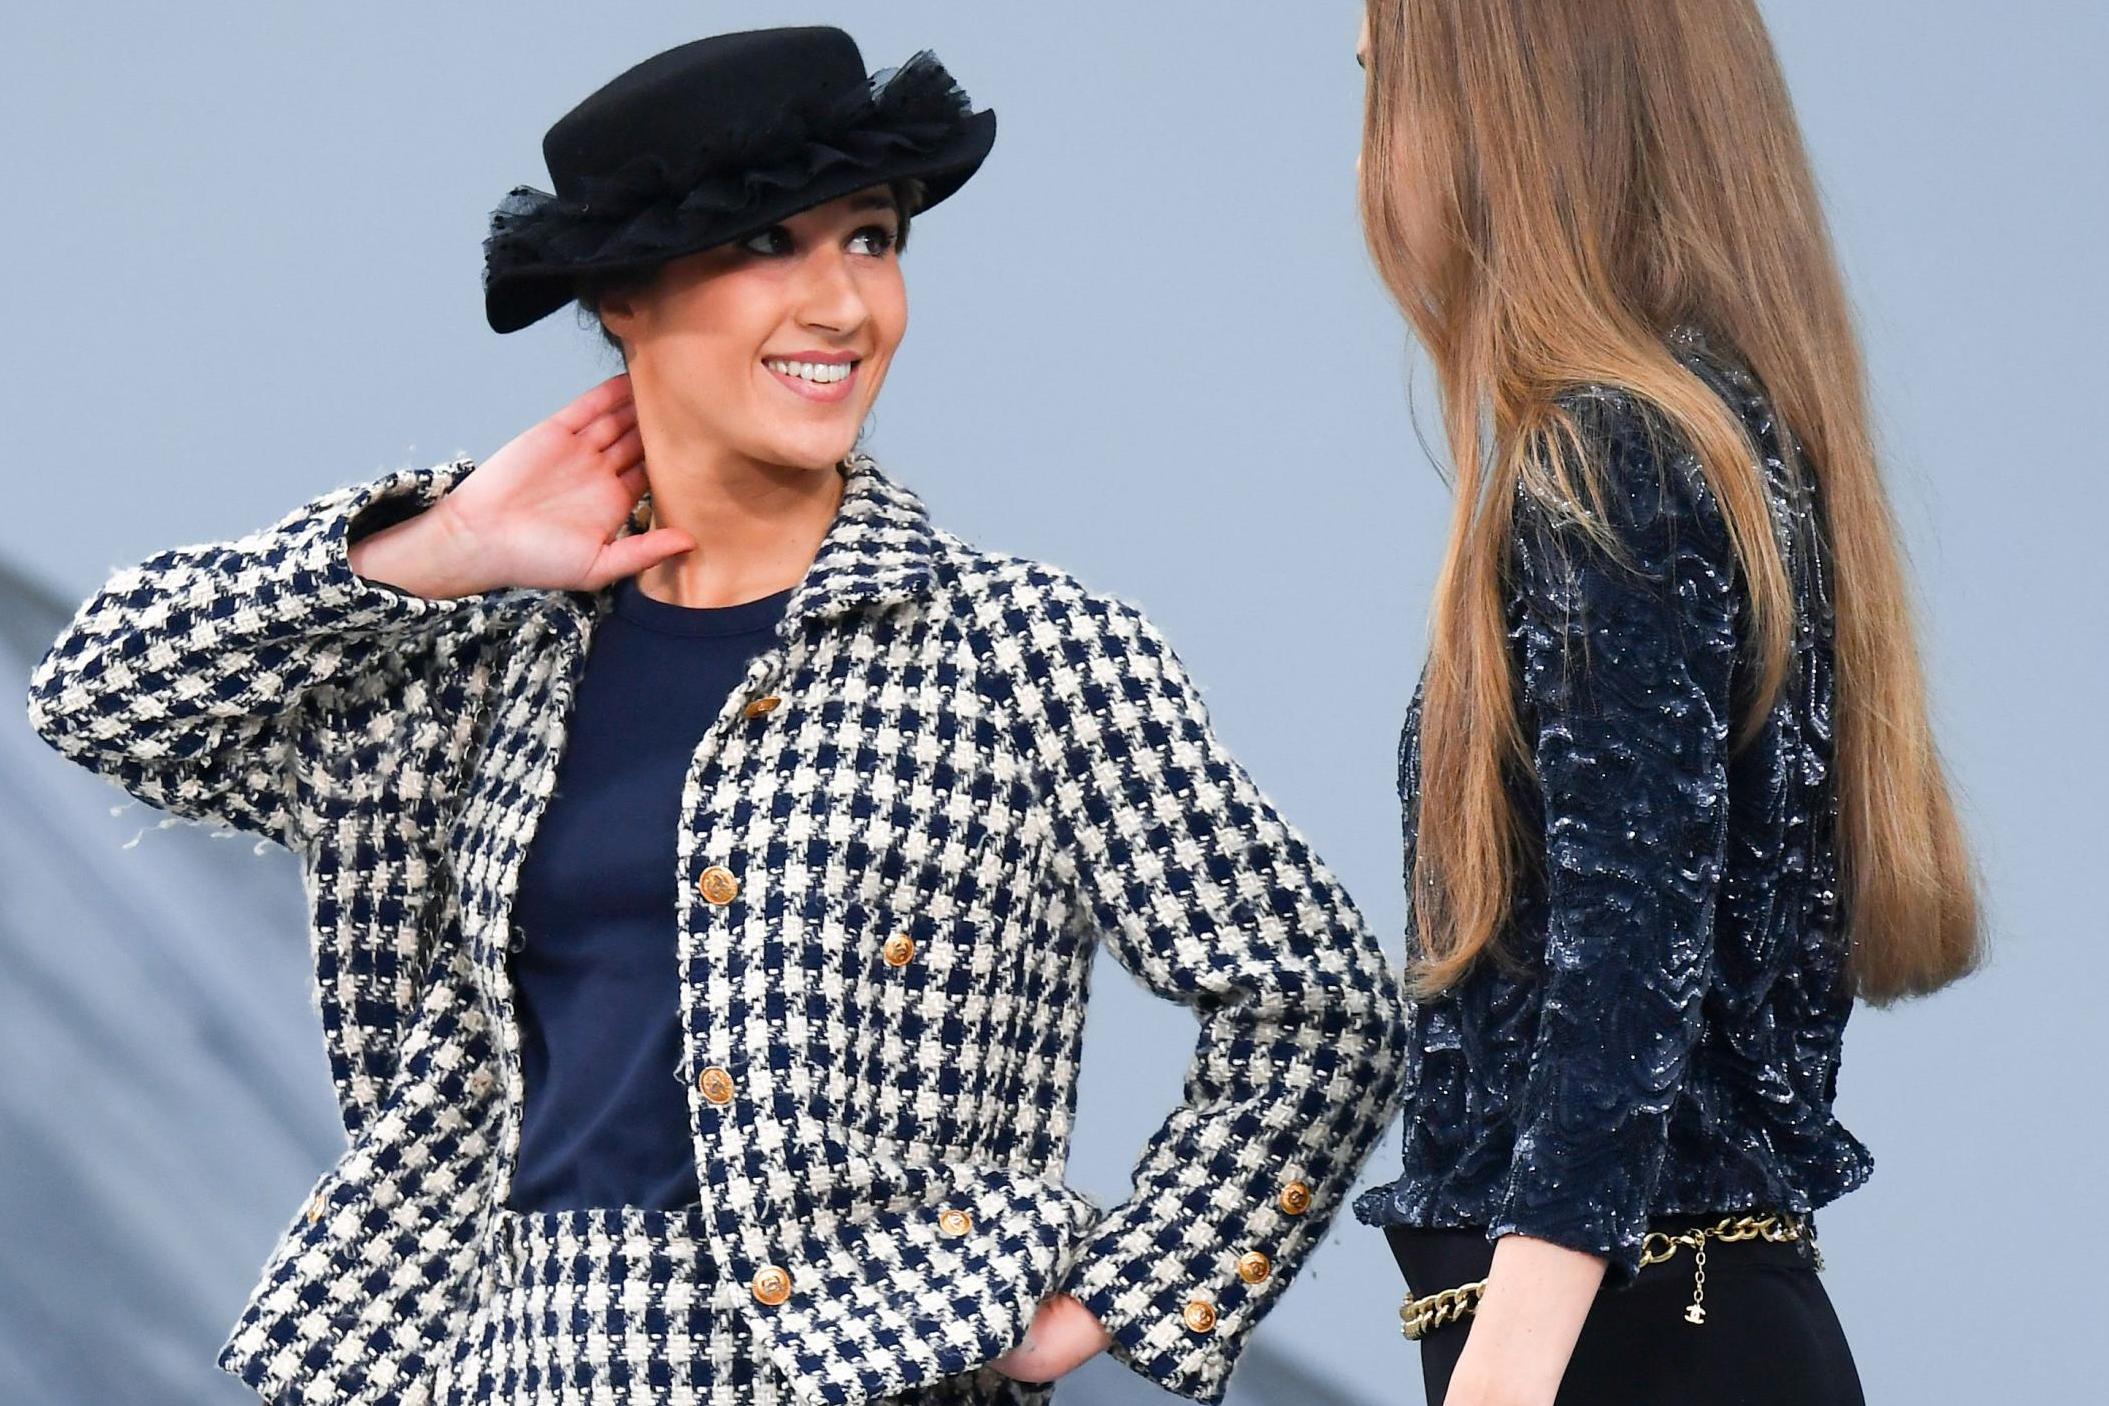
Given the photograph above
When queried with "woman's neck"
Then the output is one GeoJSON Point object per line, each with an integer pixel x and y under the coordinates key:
{"type": "Point", "coordinates": [757, 526]}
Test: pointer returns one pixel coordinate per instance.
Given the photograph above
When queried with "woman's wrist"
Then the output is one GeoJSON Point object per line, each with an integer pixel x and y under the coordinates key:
{"type": "Point", "coordinates": [1526, 1323]}
{"type": "Point", "coordinates": [432, 554]}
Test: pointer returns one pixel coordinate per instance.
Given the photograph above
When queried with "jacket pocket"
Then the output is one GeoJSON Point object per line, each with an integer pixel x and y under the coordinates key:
{"type": "Point", "coordinates": [927, 1053]}
{"type": "Point", "coordinates": [942, 1277]}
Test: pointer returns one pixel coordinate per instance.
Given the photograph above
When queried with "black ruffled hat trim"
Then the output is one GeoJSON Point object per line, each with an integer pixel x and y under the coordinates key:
{"type": "Point", "coordinates": [909, 122]}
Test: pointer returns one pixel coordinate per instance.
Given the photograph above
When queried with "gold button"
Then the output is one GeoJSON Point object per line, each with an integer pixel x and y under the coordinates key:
{"type": "Point", "coordinates": [1296, 1198]}
{"type": "Point", "coordinates": [318, 1207]}
{"type": "Point", "coordinates": [954, 1221]}
{"type": "Point", "coordinates": [772, 1284]}
{"type": "Point", "coordinates": [1200, 1315]}
{"type": "Point", "coordinates": [899, 950]}
{"type": "Point", "coordinates": [1254, 1266]}
{"type": "Point", "coordinates": [718, 885]}
{"type": "Point", "coordinates": [763, 707]}
{"type": "Point", "coordinates": [716, 1083]}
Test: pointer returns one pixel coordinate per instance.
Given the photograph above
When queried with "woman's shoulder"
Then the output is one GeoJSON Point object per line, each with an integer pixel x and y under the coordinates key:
{"type": "Point", "coordinates": [1630, 469]}
{"type": "Point", "coordinates": [1045, 617]}
{"type": "Point", "coordinates": [1036, 589]}
{"type": "Point", "coordinates": [1625, 475]}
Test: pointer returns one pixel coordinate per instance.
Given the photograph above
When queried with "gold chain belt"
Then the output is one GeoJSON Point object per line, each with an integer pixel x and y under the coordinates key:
{"type": "Point", "coordinates": [1419, 1317]}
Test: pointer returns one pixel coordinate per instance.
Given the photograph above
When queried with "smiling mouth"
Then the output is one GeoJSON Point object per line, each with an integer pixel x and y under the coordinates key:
{"type": "Point", "coordinates": [817, 373]}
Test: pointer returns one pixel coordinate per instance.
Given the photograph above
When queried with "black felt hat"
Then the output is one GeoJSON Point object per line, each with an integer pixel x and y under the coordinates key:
{"type": "Point", "coordinates": [716, 140]}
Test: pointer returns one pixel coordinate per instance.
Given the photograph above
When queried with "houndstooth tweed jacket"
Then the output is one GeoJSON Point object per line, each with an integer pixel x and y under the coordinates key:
{"type": "Point", "coordinates": [966, 751]}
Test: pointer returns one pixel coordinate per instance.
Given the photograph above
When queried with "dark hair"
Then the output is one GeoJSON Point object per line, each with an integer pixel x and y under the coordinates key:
{"type": "Point", "coordinates": [593, 289]}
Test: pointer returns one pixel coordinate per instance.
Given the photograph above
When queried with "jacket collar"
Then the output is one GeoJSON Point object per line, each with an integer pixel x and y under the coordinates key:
{"type": "Point", "coordinates": [879, 552]}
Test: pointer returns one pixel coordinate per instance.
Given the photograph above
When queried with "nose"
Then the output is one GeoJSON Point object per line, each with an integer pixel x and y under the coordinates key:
{"type": "Point", "coordinates": [828, 297]}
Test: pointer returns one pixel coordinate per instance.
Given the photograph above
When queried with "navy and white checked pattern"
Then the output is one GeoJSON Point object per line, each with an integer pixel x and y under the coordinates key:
{"type": "Point", "coordinates": [582, 1307]}
{"type": "Point", "coordinates": [970, 749]}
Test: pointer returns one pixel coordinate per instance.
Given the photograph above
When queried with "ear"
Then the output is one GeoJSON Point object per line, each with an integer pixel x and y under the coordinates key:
{"type": "Point", "coordinates": [621, 310]}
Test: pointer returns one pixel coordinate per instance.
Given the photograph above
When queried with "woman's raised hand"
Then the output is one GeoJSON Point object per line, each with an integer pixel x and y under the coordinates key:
{"type": "Point", "coordinates": [543, 511]}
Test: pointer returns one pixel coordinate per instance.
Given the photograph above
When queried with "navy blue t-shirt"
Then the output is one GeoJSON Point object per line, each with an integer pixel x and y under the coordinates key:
{"type": "Point", "coordinates": [596, 981]}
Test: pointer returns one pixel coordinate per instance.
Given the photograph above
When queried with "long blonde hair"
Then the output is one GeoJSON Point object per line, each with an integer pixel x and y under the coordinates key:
{"type": "Point", "coordinates": [1548, 188]}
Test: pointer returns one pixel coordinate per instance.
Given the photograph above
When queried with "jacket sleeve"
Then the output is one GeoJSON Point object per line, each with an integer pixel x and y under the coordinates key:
{"type": "Point", "coordinates": [198, 679]}
{"type": "Point", "coordinates": [1213, 901]}
{"type": "Point", "coordinates": [1628, 660]}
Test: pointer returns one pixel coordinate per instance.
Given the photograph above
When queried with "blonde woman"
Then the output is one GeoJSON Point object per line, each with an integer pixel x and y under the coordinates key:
{"type": "Point", "coordinates": [1671, 798]}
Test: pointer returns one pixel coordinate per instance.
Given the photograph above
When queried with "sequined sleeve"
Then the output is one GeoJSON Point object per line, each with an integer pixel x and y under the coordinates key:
{"type": "Point", "coordinates": [1626, 697]}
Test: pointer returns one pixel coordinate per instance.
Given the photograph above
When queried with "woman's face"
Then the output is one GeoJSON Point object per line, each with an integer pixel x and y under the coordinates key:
{"type": "Point", "coordinates": [1425, 243]}
{"type": "Point", "coordinates": [775, 347]}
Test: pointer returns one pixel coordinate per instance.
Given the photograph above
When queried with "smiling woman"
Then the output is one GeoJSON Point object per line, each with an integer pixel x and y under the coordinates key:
{"type": "Point", "coordinates": [813, 305]}
{"type": "Point", "coordinates": [593, 289]}
{"type": "Point", "coordinates": [704, 908]}
{"type": "Point", "coordinates": [777, 344]}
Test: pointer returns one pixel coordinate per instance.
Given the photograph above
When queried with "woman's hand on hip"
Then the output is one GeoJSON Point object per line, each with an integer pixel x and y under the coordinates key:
{"type": "Point", "coordinates": [1061, 1337]}
{"type": "Point", "coordinates": [543, 511]}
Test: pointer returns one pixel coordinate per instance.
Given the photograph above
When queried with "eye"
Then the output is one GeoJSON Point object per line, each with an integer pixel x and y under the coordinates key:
{"type": "Point", "coordinates": [875, 240]}
{"type": "Point", "coordinates": [773, 242]}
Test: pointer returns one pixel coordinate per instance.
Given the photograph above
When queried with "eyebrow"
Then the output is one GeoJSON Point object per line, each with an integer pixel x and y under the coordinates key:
{"type": "Point", "coordinates": [876, 202]}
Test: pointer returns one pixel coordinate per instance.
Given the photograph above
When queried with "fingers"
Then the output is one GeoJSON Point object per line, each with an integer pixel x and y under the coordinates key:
{"type": "Point", "coordinates": [627, 452]}
{"type": "Point", "coordinates": [594, 403]}
{"type": "Point", "coordinates": [604, 430]}
{"type": "Point", "coordinates": [626, 556]}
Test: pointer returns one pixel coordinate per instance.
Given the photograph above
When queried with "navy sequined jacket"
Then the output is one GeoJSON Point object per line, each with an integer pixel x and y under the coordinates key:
{"type": "Point", "coordinates": [1670, 1040]}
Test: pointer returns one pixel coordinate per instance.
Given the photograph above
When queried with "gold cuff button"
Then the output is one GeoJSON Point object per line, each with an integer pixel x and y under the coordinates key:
{"type": "Point", "coordinates": [899, 950]}
{"type": "Point", "coordinates": [1254, 1266]}
{"type": "Point", "coordinates": [1296, 1198]}
{"type": "Point", "coordinates": [718, 885]}
{"type": "Point", "coordinates": [954, 1221]}
{"type": "Point", "coordinates": [763, 707]}
{"type": "Point", "coordinates": [318, 1207]}
{"type": "Point", "coordinates": [716, 1083]}
{"type": "Point", "coordinates": [772, 1284]}
{"type": "Point", "coordinates": [1200, 1315]}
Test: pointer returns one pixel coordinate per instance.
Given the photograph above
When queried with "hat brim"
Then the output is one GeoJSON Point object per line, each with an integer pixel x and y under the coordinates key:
{"type": "Point", "coordinates": [522, 295]}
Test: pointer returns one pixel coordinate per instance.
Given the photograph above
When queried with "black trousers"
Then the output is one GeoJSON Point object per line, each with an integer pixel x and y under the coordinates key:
{"type": "Point", "coordinates": [1770, 1334]}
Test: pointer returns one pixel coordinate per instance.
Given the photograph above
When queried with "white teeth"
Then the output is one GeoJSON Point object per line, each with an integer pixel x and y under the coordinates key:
{"type": "Point", "coordinates": [819, 373]}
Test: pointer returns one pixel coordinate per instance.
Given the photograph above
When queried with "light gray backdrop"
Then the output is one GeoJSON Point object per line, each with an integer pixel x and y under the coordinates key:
{"type": "Point", "coordinates": [242, 254]}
